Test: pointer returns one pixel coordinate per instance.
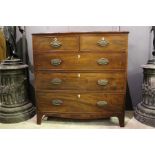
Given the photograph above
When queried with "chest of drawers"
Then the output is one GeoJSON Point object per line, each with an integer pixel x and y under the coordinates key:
{"type": "Point", "coordinates": [80, 75]}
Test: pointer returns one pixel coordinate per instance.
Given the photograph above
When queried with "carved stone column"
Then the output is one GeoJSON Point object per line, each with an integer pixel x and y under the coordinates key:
{"type": "Point", "coordinates": [145, 111]}
{"type": "Point", "coordinates": [14, 103]}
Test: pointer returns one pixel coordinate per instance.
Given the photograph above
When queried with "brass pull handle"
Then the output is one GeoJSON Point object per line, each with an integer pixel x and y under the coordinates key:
{"type": "Point", "coordinates": [57, 102]}
{"type": "Point", "coordinates": [56, 81]}
{"type": "Point", "coordinates": [102, 82]}
{"type": "Point", "coordinates": [56, 43]}
{"type": "Point", "coordinates": [56, 62]}
{"type": "Point", "coordinates": [103, 42]}
{"type": "Point", "coordinates": [103, 61]}
{"type": "Point", "coordinates": [101, 103]}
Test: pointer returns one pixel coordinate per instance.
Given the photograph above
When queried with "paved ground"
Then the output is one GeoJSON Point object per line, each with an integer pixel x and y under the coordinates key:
{"type": "Point", "coordinates": [55, 123]}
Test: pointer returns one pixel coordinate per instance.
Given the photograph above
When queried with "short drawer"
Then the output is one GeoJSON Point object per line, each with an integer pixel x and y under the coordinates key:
{"type": "Point", "coordinates": [103, 42]}
{"type": "Point", "coordinates": [83, 61]}
{"type": "Point", "coordinates": [80, 103]}
{"type": "Point", "coordinates": [107, 81]}
{"type": "Point", "coordinates": [42, 44]}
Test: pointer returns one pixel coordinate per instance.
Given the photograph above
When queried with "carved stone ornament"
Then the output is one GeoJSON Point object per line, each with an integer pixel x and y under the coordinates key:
{"type": "Point", "coordinates": [14, 102]}
{"type": "Point", "coordinates": [145, 111]}
{"type": "Point", "coordinates": [147, 90]}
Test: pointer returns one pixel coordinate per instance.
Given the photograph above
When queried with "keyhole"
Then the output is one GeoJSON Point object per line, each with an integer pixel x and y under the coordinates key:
{"type": "Point", "coordinates": [79, 56]}
{"type": "Point", "coordinates": [79, 74]}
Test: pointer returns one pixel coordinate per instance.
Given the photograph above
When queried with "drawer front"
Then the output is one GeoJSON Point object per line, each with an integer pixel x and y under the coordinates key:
{"type": "Point", "coordinates": [103, 42]}
{"type": "Point", "coordinates": [80, 103]}
{"type": "Point", "coordinates": [45, 80]}
{"type": "Point", "coordinates": [82, 61]}
{"type": "Point", "coordinates": [114, 82]}
{"type": "Point", "coordinates": [43, 44]}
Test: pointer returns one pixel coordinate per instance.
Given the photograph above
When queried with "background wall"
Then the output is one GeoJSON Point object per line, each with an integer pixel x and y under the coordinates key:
{"type": "Point", "coordinates": [139, 50]}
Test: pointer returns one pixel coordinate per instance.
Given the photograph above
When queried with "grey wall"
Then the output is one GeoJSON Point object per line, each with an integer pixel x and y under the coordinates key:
{"type": "Point", "coordinates": [139, 53]}
{"type": "Point", "coordinates": [139, 50]}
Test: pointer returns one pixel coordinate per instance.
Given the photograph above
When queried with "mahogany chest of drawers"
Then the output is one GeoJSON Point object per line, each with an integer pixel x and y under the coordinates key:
{"type": "Point", "coordinates": [80, 75]}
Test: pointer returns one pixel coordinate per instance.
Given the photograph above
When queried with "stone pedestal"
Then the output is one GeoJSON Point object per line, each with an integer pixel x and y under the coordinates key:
{"type": "Point", "coordinates": [145, 111]}
{"type": "Point", "coordinates": [14, 103]}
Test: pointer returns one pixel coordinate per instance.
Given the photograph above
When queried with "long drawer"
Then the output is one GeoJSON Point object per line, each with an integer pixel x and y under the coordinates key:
{"type": "Point", "coordinates": [107, 81]}
{"type": "Point", "coordinates": [103, 42]}
{"type": "Point", "coordinates": [79, 103]}
{"type": "Point", "coordinates": [81, 61]}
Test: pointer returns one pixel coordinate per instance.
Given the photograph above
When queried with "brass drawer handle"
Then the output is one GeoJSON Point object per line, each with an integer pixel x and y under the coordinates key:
{"type": "Point", "coordinates": [56, 43]}
{"type": "Point", "coordinates": [103, 42]}
{"type": "Point", "coordinates": [102, 82]}
{"type": "Point", "coordinates": [56, 62]}
{"type": "Point", "coordinates": [101, 103]}
{"type": "Point", "coordinates": [103, 61]}
{"type": "Point", "coordinates": [56, 81]}
{"type": "Point", "coordinates": [57, 102]}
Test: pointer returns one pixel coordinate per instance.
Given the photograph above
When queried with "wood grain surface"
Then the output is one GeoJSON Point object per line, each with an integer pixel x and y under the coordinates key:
{"type": "Point", "coordinates": [81, 79]}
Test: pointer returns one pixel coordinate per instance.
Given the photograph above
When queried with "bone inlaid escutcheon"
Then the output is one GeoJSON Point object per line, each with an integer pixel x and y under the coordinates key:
{"type": "Point", "coordinates": [78, 95]}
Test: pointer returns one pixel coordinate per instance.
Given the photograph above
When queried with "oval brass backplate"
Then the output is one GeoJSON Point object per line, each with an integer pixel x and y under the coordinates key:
{"type": "Point", "coordinates": [102, 103]}
{"type": "Point", "coordinates": [56, 62]}
{"type": "Point", "coordinates": [103, 61]}
{"type": "Point", "coordinates": [56, 43]}
{"type": "Point", "coordinates": [102, 82]}
{"type": "Point", "coordinates": [56, 81]}
{"type": "Point", "coordinates": [57, 102]}
{"type": "Point", "coordinates": [103, 42]}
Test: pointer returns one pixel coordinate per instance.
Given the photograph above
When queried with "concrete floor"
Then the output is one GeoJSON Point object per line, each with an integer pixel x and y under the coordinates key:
{"type": "Point", "coordinates": [55, 123]}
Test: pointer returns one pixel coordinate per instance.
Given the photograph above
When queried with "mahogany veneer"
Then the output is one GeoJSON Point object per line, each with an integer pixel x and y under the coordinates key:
{"type": "Point", "coordinates": [80, 75]}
